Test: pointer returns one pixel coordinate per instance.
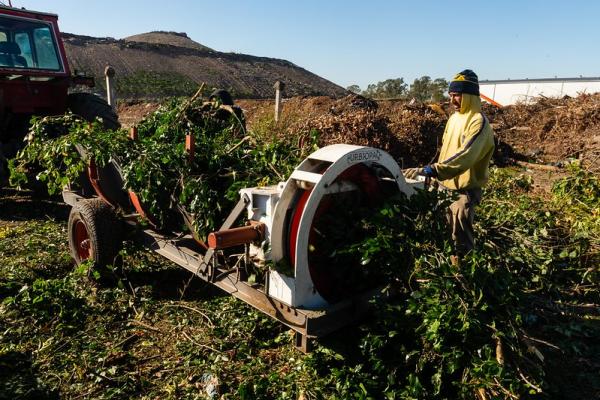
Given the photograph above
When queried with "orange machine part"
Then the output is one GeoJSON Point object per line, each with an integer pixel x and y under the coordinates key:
{"type": "Point", "coordinates": [236, 236]}
{"type": "Point", "coordinates": [492, 102]}
{"type": "Point", "coordinates": [133, 133]}
{"type": "Point", "coordinates": [190, 143]}
{"type": "Point", "coordinates": [137, 204]}
{"type": "Point", "coordinates": [94, 181]}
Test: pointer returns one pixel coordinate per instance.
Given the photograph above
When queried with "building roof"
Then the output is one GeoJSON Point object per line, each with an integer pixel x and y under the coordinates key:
{"type": "Point", "coordinates": [535, 80]}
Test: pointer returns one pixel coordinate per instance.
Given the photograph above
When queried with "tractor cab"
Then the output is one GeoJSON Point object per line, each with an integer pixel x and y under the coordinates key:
{"type": "Point", "coordinates": [35, 77]}
{"type": "Point", "coordinates": [34, 72]}
{"type": "Point", "coordinates": [29, 44]}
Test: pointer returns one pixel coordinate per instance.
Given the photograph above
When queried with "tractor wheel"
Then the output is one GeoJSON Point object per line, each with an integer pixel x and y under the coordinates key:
{"type": "Point", "coordinates": [90, 106]}
{"type": "Point", "coordinates": [95, 232]}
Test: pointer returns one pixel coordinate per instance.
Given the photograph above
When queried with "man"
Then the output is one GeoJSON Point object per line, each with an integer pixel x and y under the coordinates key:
{"type": "Point", "coordinates": [463, 164]}
{"type": "Point", "coordinates": [221, 105]}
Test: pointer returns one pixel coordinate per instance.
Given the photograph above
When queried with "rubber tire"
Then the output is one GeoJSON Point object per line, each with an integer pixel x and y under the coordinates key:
{"type": "Point", "coordinates": [104, 231]}
{"type": "Point", "coordinates": [89, 107]}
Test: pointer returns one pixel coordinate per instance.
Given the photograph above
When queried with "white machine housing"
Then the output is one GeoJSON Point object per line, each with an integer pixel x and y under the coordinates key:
{"type": "Point", "coordinates": [273, 206]}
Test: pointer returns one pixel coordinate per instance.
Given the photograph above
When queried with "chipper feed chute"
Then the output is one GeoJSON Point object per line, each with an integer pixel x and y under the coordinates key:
{"type": "Point", "coordinates": [327, 180]}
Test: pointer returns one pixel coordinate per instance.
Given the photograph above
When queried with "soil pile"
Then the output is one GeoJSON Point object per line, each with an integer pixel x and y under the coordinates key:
{"type": "Point", "coordinates": [409, 132]}
{"type": "Point", "coordinates": [179, 39]}
{"type": "Point", "coordinates": [131, 113]}
{"type": "Point", "coordinates": [551, 130]}
{"type": "Point", "coordinates": [159, 65]}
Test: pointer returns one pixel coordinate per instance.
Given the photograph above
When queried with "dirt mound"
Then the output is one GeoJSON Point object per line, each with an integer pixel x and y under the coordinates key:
{"type": "Point", "coordinates": [551, 130]}
{"type": "Point", "coordinates": [170, 38]}
{"type": "Point", "coordinates": [132, 113]}
{"type": "Point", "coordinates": [146, 63]}
{"type": "Point", "coordinates": [409, 132]}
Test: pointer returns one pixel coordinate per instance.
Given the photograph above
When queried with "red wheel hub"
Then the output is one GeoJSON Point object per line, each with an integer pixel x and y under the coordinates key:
{"type": "Point", "coordinates": [82, 241]}
{"type": "Point", "coordinates": [321, 275]}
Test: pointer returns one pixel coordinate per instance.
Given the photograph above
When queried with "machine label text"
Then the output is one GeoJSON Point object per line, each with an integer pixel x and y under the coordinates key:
{"type": "Point", "coordinates": [366, 155]}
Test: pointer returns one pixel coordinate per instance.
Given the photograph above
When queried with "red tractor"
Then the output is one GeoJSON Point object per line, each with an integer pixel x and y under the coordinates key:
{"type": "Point", "coordinates": [35, 78]}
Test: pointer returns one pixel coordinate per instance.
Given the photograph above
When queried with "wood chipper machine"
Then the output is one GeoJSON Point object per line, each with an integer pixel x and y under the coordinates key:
{"type": "Point", "coordinates": [279, 228]}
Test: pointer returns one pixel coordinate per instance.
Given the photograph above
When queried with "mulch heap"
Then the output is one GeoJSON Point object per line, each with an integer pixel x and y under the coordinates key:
{"type": "Point", "coordinates": [550, 131]}
{"type": "Point", "coordinates": [410, 132]}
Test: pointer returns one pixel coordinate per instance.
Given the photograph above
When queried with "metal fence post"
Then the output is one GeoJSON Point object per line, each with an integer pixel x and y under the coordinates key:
{"type": "Point", "coordinates": [111, 98]}
{"type": "Point", "coordinates": [279, 86]}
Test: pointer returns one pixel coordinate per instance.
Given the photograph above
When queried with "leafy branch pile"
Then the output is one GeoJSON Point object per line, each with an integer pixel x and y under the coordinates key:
{"type": "Point", "coordinates": [518, 318]}
{"type": "Point", "coordinates": [513, 319]}
{"type": "Point", "coordinates": [157, 166]}
{"type": "Point", "coordinates": [487, 327]}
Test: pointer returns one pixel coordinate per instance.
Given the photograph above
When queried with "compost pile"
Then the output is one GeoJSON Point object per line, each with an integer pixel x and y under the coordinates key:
{"type": "Point", "coordinates": [167, 178]}
{"type": "Point", "coordinates": [551, 130]}
{"type": "Point", "coordinates": [409, 132]}
{"type": "Point", "coordinates": [548, 131]}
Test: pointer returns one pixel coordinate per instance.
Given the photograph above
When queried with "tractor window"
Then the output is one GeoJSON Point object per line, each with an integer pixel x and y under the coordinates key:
{"type": "Point", "coordinates": [27, 44]}
{"type": "Point", "coordinates": [45, 49]}
{"type": "Point", "coordinates": [22, 39]}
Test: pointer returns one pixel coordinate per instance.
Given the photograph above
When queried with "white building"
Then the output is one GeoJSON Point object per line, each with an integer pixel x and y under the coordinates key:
{"type": "Point", "coordinates": [505, 92]}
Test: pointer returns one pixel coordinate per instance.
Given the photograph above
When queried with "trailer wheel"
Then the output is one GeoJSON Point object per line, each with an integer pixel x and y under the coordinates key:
{"type": "Point", "coordinates": [95, 232]}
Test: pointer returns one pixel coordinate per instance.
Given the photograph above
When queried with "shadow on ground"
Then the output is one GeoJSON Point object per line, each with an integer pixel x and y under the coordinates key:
{"type": "Point", "coordinates": [166, 284]}
{"type": "Point", "coordinates": [19, 379]}
{"type": "Point", "coordinates": [27, 205]}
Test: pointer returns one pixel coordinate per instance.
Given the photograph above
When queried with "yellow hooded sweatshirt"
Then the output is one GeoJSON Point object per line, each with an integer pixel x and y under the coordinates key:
{"type": "Point", "coordinates": [467, 147]}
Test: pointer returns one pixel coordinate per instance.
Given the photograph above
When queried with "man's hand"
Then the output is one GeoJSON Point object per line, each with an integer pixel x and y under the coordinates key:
{"type": "Point", "coordinates": [429, 171]}
{"type": "Point", "coordinates": [412, 173]}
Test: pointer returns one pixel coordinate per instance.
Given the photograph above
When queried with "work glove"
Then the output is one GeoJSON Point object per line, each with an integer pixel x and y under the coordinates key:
{"type": "Point", "coordinates": [429, 171]}
{"type": "Point", "coordinates": [412, 173]}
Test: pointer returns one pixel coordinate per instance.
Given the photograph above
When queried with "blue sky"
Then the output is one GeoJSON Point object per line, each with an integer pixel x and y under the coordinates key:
{"type": "Point", "coordinates": [362, 42]}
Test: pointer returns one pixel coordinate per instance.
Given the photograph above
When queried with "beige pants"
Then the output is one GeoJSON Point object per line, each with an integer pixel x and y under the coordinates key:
{"type": "Point", "coordinates": [460, 216]}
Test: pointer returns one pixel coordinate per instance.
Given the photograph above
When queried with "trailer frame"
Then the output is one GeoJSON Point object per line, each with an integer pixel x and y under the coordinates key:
{"type": "Point", "coordinates": [186, 253]}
